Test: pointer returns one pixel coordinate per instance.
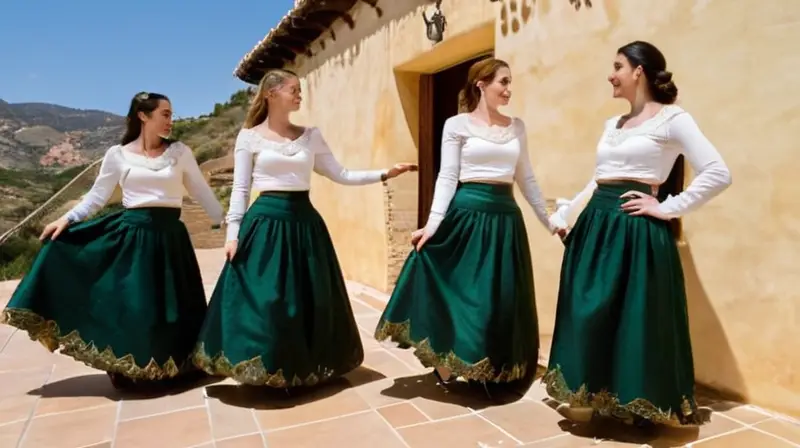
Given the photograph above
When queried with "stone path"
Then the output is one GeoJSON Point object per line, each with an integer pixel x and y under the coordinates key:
{"type": "Point", "coordinates": [50, 401]}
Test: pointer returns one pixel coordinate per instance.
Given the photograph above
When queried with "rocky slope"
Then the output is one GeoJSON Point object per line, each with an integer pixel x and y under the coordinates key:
{"type": "Point", "coordinates": [38, 135]}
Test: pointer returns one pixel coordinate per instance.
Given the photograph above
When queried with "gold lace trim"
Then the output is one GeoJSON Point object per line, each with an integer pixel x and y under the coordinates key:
{"type": "Point", "coordinates": [253, 372]}
{"type": "Point", "coordinates": [607, 404]}
{"type": "Point", "coordinates": [49, 335]}
{"type": "Point", "coordinates": [481, 371]}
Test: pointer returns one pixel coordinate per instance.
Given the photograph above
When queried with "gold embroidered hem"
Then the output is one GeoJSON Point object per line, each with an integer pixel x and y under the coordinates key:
{"type": "Point", "coordinates": [49, 335]}
{"type": "Point", "coordinates": [253, 372]}
{"type": "Point", "coordinates": [481, 371]}
{"type": "Point", "coordinates": [607, 404]}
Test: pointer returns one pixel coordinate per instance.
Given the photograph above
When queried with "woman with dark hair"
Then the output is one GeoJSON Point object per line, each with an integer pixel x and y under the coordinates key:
{"type": "Point", "coordinates": [621, 345]}
{"type": "Point", "coordinates": [464, 299]}
{"type": "Point", "coordinates": [280, 314]}
{"type": "Point", "coordinates": [122, 293]}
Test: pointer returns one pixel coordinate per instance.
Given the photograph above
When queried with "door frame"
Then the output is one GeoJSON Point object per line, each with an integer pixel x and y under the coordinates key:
{"type": "Point", "coordinates": [427, 144]}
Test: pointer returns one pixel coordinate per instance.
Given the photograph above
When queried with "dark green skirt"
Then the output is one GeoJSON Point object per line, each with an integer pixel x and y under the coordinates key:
{"type": "Point", "coordinates": [280, 315]}
{"type": "Point", "coordinates": [121, 293]}
{"type": "Point", "coordinates": [621, 343]}
{"type": "Point", "coordinates": [466, 300]}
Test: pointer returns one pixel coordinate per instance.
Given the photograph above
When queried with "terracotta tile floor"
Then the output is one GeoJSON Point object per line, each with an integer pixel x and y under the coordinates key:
{"type": "Point", "coordinates": [50, 401]}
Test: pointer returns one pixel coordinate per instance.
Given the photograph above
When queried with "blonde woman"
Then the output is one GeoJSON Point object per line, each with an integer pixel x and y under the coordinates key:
{"type": "Point", "coordinates": [280, 315]}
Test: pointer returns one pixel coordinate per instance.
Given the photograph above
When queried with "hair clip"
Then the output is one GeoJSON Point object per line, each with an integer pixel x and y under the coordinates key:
{"type": "Point", "coordinates": [143, 96]}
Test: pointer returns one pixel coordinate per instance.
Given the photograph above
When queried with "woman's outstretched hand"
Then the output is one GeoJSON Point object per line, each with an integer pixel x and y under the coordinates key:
{"type": "Point", "coordinates": [642, 204]}
{"type": "Point", "coordinates": [399, 169]}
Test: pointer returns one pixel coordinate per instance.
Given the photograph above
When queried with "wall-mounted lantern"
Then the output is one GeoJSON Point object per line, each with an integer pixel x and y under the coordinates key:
{"type": "Point", "coordinates": [436, 25]}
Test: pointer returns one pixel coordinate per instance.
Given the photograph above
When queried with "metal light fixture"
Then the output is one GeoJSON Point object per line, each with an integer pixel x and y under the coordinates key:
{"type": "Point", "coordinates": [436, 25]}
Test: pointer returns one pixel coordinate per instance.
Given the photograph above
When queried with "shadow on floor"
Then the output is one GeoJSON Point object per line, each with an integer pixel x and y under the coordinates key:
{"type": "Point", "coordinates": [268, 398]}
{"type": "Point", "coordinates": [657, 436]}
{"type": "Point", "coordinates": [470, 395]}
{"type": "Point", "coordinates": [607, 429]}
{"type": "Point", "coordinates": [98, 385]}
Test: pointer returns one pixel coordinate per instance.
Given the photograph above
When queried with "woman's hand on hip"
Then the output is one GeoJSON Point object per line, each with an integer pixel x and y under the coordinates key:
{"type": "Point", "coordinates": [642, 204]}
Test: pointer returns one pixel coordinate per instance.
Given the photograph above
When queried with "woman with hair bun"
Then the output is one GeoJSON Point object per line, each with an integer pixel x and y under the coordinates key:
{"type": "Point", "coordinates": [465, 298]}
{"type": "Point", "coordinates": [123, 293]}
{"type": "Point", "coordinates": [621, 345]}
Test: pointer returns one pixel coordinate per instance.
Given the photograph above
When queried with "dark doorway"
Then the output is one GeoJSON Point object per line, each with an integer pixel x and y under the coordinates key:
{"type": "Point", "coordinates": [438, 102]}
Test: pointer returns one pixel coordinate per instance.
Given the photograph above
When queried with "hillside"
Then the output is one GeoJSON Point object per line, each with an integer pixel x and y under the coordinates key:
{"type": "Point", "coordinates": [37, 135]}
{"type": "Point", "coordinates": [211, 136]}
{"type": "Point", "coordinates": [42, 146]}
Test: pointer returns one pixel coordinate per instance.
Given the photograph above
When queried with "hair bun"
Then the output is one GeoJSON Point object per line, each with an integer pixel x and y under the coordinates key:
{"type": "Point", "coordinates": [663, 77]}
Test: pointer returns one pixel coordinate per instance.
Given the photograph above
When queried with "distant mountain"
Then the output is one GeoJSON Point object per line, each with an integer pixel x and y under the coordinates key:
{"type": "Point", "coordinates": [40, 135]}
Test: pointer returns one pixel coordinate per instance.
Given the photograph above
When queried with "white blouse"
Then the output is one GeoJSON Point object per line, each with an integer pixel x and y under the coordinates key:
{"type": "Point", "coordinates": [148, 182]}
{"type": "Point", "coordinates": [267, 165]}
{"type": "Point", "coordinates": [473, 151]}
{"type": "Point", "coordinates": [647, 153]}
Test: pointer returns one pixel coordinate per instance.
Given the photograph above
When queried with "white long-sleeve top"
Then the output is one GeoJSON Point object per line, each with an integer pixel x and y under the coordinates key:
{"type": "Point", "coordinates": [473, 151]}
{"type": "Point", "coordinates": [148, 182]}
{"type": "Point", "coordinates": [267, 165]}
{"type": "Point", "coordinates": [647, 153]}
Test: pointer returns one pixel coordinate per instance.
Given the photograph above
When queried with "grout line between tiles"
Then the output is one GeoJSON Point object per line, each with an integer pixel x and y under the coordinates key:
{"type": "Point", "coordinates": [424, 414]}
{"type": "Point", "coordinates": [283, 428]}
{"type": "Point", "coordinates": [13, 422]}
{"type": "Point", "coordinates": [87, 408]}
{"type": "Point", "coordinates": [372, 292]}
{"type": "Point", "coordinates": [258, 426]}
{"type": "Point", "coordinates": [8, 339]}
{"type": "Point", "coordinates": [116, 424]}
{"type": "Point", "coordinates": [413, 368]}
{"type": "Point", "coordinates": [159, 414]}
{"type": "Point", "coordinates": [33, 409]}
{"type": "Point", "coordinates": [210, 420]}
{"type": "Point", "coordinates": [717, 436]}
{"type": "Point", "coordinates": [773, 436]}
{"type": "Point", "coordinates": [362, 302]}
{"type": "Point", "coordinates": [496, 426]}
{"type": "Point", "coordinates": [752, 426]}
{"type": "Point", "coordinates": [237, 436]}
{"type": "Point", "coordinates": [392, 428]}
{"type": "Point", "coordinates": [445, 419]}
{"type": "Point", "coordinates": [91, 444]}
{"type": "Point", "coordinates": [555, 437]}
{"type": "Point", "coordinates": [28, 369]}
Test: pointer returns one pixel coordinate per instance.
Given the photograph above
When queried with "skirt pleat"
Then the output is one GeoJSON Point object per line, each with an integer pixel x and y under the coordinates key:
{"type": "Point", "coordinates": [621, 343]}
{"type": "Point", "coordinates": [466, 300]}
{"type": "Point", "coordinates": [280, 314]}
{"type": "Point", "coordinates": [121, 293]}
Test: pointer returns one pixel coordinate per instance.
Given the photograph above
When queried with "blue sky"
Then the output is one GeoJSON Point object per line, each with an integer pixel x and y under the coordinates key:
{"type": "Point", "coordinates": [93, 54]}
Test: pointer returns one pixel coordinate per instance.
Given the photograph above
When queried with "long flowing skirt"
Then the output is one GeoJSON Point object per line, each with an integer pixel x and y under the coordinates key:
{"type": "Point", "coordinates": [466, 300]}
{"type": "Point", "coordinates": [621, 342]}
{"type": "Point", "coordinates": [280, 315]}
{"type": "Point", "coordinates": [121, 293]}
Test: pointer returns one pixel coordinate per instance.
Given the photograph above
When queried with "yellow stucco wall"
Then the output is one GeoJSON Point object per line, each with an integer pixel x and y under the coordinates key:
{"type": "Point", "coordinates": [736, 67]}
